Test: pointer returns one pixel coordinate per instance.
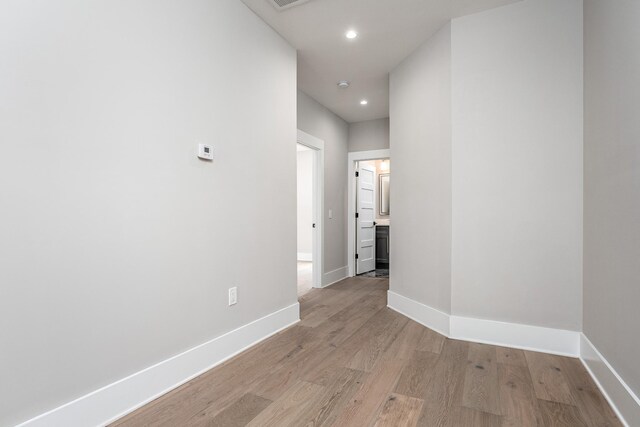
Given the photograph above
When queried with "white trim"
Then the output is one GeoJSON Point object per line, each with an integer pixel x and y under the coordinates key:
{"type": "Point", "coordinates": [317, 145]}
{"type": "Point", "coordinates": [115, 400]}
{"type": "Point", "coordinates": [305, 256]}
{"type": "Point", "coordinates": [352, 158]}
{"type": "Point", "coordinates": [423, 314]}
{"type": "Point", "coordinates": [622, 399]}
{"type": "Point", "coordinates": [334, 276]}
{"type": "Point", "coordinates": [526, 337]}
{"type": "Point", "coordinates": [515, 335]}
{"type": "Point", "coordinates": [385, 153]}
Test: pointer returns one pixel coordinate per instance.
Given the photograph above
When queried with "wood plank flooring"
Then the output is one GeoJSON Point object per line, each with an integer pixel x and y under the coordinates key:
{"type": "Point", "coordinates": [351, 361]}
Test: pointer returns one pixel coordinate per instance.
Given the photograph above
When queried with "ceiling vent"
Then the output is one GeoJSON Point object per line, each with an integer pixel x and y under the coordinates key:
{"type": "Point", "coordinates": [286, 4]}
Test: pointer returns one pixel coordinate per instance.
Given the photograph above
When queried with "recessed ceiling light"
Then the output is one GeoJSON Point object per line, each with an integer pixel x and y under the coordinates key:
{"type": "Point", "coordinates": [343, 84]}
{"type": "Point", "coordinates": [364, 102]}
{"type": "Point", "coordinates": [351, 34]}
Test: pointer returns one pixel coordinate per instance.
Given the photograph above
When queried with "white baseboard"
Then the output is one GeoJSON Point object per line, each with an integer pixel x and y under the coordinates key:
{"type": "Point", "coordinates": [527, 337]}
{"type": "Point", "coordinates": [620, 396]}
{"type": "Point", "coordinates": [334, 276]}
{"type": "Point", "coordinates": [516, 335]}
{"type": "Point", "coordinates": [115, 400]}
{"type": "Point", "coordinates": [622, 399]}
{"type": "Point", "coordinates": [305, 256]}
{"type": "Point", "coordinates": [421, 313]}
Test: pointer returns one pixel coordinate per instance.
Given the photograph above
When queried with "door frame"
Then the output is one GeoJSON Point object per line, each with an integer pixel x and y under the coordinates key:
{"type": "Point", "coordinates": [317, 146]}
{"type": "Point", "coordinates": [352, 159]}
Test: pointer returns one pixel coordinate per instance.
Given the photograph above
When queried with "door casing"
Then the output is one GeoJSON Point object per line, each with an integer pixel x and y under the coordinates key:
{"type": "Point", "coordinates": [352, 159]}
{"type": "Point", "coordinates": [317, 145]}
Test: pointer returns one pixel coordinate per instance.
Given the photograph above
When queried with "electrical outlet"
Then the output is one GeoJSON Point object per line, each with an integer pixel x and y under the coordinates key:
{"type": "Point", "coordinates": [233, 296]}
{"type": "Point", "coordinates": [205, 151]}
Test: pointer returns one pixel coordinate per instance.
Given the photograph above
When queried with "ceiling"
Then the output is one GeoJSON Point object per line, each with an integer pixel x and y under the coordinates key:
{"type": "Point", "coordinates": [388, 31]}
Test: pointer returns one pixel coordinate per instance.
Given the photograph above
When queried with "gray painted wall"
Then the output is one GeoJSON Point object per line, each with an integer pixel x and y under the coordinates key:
{"type": "Point", "coordinates": [117, 244]}
{"type": "Point", "coordinates": [369, 135]}
{"type": "Point", "coordinates": [517, 164]}
{"type": "Point", "coordinates": [488, 170]}
{"type": "Point", "coordinates": [316, 120]}
{"type": "Point", "coordinates": [420, 112]}
{"type": "Point", "coordinates": [612, 183]}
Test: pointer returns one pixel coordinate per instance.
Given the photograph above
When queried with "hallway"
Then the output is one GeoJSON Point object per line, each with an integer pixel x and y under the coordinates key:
{"type": "Point", "coordinates": [353, 362]}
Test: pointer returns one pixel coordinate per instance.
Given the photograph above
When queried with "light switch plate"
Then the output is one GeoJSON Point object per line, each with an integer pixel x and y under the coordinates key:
{"type": "Point", "coordinates": [205, 151]}
{"type": "Point", "coordinates": [233, 296]}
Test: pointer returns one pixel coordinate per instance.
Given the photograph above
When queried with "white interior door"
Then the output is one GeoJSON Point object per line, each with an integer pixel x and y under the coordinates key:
{"type": "Point", "coordinates": [365, 217]}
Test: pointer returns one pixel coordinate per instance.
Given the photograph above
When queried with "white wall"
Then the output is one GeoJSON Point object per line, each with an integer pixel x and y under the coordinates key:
{"type": "Point", "coordinates": [517, 164]}
{"type": "Point", "coordinates": [316, 120]}
{"type": "Point", "coordinates": [612, 184]}
{"type": "Point", "coordinates": [118, 244]}
{"type": "Point", "coordinates": [420, 113]}
{"type": "Point", "coordinates": [305, 204]}
{"type": "Point", "coordinates": [369, 135]}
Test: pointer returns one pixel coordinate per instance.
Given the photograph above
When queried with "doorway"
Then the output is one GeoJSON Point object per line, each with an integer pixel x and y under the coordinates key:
{"type": "Point", "coordinates": [369, 220]}
{"type": "Point", "coordinates": [310, 167]}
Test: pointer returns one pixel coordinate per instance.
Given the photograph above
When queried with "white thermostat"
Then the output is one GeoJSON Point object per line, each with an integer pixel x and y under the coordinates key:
{"type": "Point", "coordinates": [205, 151]}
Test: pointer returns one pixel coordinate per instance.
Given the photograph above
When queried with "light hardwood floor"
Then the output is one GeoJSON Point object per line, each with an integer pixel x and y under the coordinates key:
{"type": "Point", "coordinates": [353, 362]}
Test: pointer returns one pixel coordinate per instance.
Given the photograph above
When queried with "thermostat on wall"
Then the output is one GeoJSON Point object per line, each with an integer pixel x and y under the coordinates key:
{"type": "Point", "coordinates": [205, 151]}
